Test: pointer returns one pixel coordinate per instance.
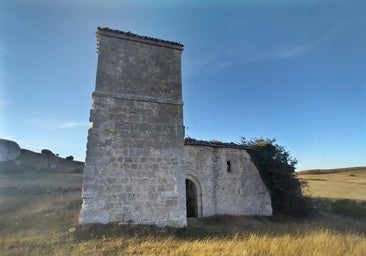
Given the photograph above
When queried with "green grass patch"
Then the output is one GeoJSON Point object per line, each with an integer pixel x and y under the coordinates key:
{"type": "Point", "coordinates": [349, 208]}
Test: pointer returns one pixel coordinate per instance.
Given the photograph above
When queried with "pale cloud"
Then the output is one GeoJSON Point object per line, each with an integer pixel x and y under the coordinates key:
{"type": "Point", "coordinates": [23, 143]}
{"type": "Point", "coordinates": [61, 124]}
{"type": "Point", "coordinates": [299, 48]}
{"type": "Point", "coordinates": [286, 51]}
{"type": "Point", "coordinates": [71, 124]}
{"type": "Point", "coordinates": [223, 64]}
{"type": "Point", "coordinates": [242, 51]}
{"type": "Point", "coordinates": [289, 52]}
{"type": "Point", "coordinates": [202, 61]}
{"type": "Point", "coordinates": [218, 59]}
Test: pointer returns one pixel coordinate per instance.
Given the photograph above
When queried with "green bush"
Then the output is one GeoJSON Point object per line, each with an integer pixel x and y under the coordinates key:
{"type": "Point", "coordinates": [349, 208]}
{"type": "Point", "coordinates": [277, 169]}
{"type": "Point", "coordinates": [71, 158]}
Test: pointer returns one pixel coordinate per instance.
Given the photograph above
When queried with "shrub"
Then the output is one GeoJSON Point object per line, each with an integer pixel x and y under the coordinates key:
{"type": "Point", "coordinates": [349, 208]}
{"type": "Point", "coordinates": [71, 158]}
{"type": "Point", "coordinates": [277, 169]}
{"type": "Point", "coordinates": [47, 152]}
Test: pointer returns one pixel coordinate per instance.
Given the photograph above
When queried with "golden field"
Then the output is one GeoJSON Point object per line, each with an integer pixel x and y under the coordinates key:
{"type": "Point", "coordinates": [39, 211]}
{"type": "Point", "coordinates": [347, 183]}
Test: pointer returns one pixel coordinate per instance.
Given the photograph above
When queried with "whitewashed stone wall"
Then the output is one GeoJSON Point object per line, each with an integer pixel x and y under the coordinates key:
{"type": "Point", "coordinates": [238, 192]}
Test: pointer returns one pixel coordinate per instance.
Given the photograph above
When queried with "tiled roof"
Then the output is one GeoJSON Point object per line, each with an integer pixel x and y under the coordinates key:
{"type": "Point", "coordinates": [138, 36]}
{"type": "Point", "coordinates": [216, 144]}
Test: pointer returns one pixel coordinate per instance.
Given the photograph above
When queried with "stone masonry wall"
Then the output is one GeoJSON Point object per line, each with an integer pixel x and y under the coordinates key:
{"type": "Point", "coordinates": [238, 192]}
{"type": "Point", "coordinates": [134, 169]}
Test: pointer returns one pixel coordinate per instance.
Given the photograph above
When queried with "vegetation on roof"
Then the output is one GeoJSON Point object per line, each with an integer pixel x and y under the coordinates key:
{"type": "Point", "coordinates": [137, 36]}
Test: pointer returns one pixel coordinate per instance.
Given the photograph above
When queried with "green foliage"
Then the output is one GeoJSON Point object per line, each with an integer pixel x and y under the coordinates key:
{"type": "Point", "coordinates": [277, 169]}
{"type": "Point", "coordinates": [349, 208]}
{"type": "Point", "coordinates": [71, 158]}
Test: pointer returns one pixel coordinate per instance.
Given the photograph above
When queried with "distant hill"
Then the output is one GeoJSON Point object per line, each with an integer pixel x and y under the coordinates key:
{"type": "Point", "coordinates": [320, 171]}
{"type": "Point", "coordinates": [29, 161]}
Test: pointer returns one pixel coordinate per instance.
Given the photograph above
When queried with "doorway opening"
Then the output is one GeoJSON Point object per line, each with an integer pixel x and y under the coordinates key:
{"type": "Point", "coordinates": [191, 199]}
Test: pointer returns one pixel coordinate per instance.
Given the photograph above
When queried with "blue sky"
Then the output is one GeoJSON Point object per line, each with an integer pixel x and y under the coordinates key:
{"type": "Point", "coordinates": [290, 70]}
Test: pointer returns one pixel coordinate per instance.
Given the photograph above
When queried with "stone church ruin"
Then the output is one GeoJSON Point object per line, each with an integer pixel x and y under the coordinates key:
{"type": "Point", "coordinates": [139, 168]}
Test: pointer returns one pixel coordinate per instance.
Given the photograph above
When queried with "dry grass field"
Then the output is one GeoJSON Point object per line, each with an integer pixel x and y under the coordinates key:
{"type": "Point", "coordinates": [342, 183]}
{"type": "Point", "coordinates": [39, 210]}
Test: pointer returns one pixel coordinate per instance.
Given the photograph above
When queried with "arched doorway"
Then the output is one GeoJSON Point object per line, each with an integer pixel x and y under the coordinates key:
{"type": "Point", "coordinates": [191, 199]}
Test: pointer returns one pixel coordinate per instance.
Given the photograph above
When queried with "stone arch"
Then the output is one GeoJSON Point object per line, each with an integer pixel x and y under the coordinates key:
{"type": "Point", "coordinates": [193, 183]}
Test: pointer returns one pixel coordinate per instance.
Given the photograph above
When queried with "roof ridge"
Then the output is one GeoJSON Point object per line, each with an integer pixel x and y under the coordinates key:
{"type": "Point", "coordinates": [216, 144]}
{"type": "Point", "coordinates": [129, 33]}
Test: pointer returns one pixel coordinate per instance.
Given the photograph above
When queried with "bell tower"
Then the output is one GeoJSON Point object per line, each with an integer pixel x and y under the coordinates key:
{"type": "Point", "coordinates": [134, 170]}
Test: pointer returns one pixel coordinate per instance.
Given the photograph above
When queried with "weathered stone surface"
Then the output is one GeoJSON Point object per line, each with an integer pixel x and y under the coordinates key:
{"type": "Point", "coordinates": [9, 150]}
{"type": "Point", "coordinates": [239, 191]}
{"type": "Point", "coordinates": [135, 143]}
{"type": "Point", "coordinates": [137, 166]}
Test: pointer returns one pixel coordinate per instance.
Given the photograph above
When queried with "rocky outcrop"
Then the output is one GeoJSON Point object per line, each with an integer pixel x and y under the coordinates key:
{"type": "Point", "coordinates": [9, 150]}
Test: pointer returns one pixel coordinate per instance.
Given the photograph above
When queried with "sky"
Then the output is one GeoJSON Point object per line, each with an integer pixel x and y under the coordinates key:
{"type": "Point", "coordinates": [290, 70]}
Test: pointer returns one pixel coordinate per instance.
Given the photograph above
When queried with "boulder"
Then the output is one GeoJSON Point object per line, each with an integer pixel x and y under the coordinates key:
{"type": "Point", "coordinates": [47, 152]}
{"type": "Point", "coordinates": [9, 150]}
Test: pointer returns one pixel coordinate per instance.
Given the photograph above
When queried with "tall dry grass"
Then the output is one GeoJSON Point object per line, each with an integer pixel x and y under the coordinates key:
{"type": "Point", "coordinates": [312, 243]}
{"type": "Point", "coordinates": [316, 242]}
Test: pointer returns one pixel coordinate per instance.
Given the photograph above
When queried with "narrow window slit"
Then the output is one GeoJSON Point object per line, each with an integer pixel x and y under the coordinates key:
{"type": "Point", "coordinates": [228, 166]}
